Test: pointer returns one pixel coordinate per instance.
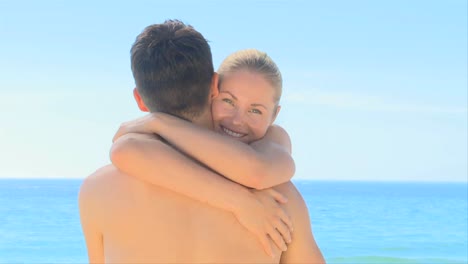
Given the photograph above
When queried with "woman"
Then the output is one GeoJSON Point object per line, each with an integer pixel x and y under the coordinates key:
{"type": "Point", "coordinates": [258, 152]}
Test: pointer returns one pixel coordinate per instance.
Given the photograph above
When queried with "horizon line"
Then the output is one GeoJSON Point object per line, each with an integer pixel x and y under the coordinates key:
{"type": "Point", "coordinates": [294, 179]}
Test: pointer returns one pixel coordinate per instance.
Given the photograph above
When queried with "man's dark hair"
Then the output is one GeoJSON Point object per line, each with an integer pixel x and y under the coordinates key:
{"type": "Point", "coordinates": [173, 67]}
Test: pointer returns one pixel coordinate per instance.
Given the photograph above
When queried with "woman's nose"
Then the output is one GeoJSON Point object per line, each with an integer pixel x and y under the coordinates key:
{"type": "Point", "coordinates": [237, 118]}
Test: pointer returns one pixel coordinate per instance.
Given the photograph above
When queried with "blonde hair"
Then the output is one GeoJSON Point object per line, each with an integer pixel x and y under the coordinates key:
{"type": "Point", "coordinates": [256, 61]}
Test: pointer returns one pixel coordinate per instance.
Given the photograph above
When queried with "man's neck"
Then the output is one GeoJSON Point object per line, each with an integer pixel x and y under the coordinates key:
{"type": "Point", "coordinates": [204, 120]}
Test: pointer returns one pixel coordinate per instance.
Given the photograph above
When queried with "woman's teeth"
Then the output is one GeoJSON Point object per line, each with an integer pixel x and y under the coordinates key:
{"type": "Point", "coordinates": [232, 133]}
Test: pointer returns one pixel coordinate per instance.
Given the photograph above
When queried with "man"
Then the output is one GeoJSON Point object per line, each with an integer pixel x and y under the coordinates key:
{"type": "Point", "coordinates": [128, 221]}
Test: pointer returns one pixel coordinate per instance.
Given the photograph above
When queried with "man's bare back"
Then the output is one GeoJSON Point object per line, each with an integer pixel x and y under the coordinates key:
{"type": "Point", "coordinates": [142, 223]}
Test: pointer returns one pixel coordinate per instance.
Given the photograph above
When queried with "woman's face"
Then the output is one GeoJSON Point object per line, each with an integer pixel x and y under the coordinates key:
{"type": "Point", "coordinates": [245, 107]}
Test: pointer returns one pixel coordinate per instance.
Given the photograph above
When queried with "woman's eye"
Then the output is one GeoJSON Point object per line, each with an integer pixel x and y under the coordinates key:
{"type": "Point", "coordinates": [227, 100]}
{"type": "Point", "coordinates": [256, 111]}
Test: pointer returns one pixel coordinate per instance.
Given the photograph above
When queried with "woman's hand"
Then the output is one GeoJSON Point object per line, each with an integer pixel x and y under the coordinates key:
{"type": "Point", "coordinates": [142, 125]}
{"type": "Point", "coordinates": [262, 214]}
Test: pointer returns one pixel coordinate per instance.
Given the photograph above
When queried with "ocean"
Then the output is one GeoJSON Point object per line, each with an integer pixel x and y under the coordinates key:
{"type": "Point", "coordinates": [353, 222]}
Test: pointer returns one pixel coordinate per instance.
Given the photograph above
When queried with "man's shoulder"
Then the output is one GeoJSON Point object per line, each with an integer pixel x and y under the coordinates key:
{"type": "Point", "coordinates": [303, 248]}
{"type": "Point", "coordinates": [102, 179]}
{"type": "Point", "coordinates": [289, 190]}
{"type": "Point", "coordinates": [296, 204]}
{"type": "Point", "coordinates": [101, 175]}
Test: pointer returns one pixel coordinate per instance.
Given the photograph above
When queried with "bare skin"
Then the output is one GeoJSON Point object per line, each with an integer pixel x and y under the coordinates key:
{"type": "Point", "coordinates": [258, 222]}
{"type": "Point", "coordinates": [145, 157]}
{"type": "Point", "coordinates": [243, 110]}
{"type": "Point", "coordinates": [142, 223]}
{"type": "Point", "coordinates": [238, 109]}
{"type": "Point", "coordinates": [265, 163]}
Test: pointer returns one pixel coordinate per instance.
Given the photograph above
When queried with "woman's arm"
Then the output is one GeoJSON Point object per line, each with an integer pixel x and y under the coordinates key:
{"type": "Point", "coordinates": [148, 159]}
{"type": "Point", "coordinates": [262, 164]}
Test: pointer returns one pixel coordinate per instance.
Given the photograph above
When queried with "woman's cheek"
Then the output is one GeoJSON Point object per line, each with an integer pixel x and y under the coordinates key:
{"type": "Point", "coordinates": [266, 124]}
{"type": "Point", "coordinates": [217, 111]}
{"type": "Point", "coordinates": [260, 128]}
{"type": "Point", "coordinates": [214, 107]}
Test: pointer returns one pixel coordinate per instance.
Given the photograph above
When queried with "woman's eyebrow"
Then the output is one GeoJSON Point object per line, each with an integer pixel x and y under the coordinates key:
{"type": "Point", "coordinates": [233, 96]}
{"type": "Point", "coordinates": [256, 105]}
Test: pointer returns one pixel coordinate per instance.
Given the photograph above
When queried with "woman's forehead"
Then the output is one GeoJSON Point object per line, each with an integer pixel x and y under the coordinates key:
{"type": "Point", "coordinates": [246, 82]}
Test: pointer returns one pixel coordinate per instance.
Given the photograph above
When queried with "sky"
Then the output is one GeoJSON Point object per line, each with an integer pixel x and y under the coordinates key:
{"type": "Point", "coordinates": [372, 90]}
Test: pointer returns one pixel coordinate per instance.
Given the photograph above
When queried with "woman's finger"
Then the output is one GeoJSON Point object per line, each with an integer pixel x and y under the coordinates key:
{"type": "Point", "coordinates": [266, 244]}
{"type": "Point", "coordinates": [284, 216]}
{"type": "Point", "coordinates": [283, 229]}
{"type": "Point", "coordinates": [279, 197]}
{"type": "Point", "coordinates": [277, 238]}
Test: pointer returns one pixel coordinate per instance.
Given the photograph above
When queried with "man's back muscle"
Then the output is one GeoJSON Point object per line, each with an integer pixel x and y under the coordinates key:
{"type": "Point", "coordinates": [143, 223]}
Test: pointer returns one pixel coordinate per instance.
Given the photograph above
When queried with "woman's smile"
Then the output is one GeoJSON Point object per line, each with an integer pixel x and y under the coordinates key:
{"type": "Point", "coordinates": [232, 133]}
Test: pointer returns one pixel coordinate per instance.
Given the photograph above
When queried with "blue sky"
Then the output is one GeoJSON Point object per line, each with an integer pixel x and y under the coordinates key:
{"type": "Point", "coordinates": [373, 90]}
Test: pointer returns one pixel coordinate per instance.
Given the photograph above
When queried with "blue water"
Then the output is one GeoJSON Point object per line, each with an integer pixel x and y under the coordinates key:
{"type": "Point", "coordinates": [353, 222]}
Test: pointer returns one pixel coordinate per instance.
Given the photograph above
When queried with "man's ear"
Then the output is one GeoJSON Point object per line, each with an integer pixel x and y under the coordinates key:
{"type": "Point", "coordinates": [275, 113]}
{"type": "Point", "coordinates": [214, 90]}
{"type": "Point", "coordinates": [139, 101]}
